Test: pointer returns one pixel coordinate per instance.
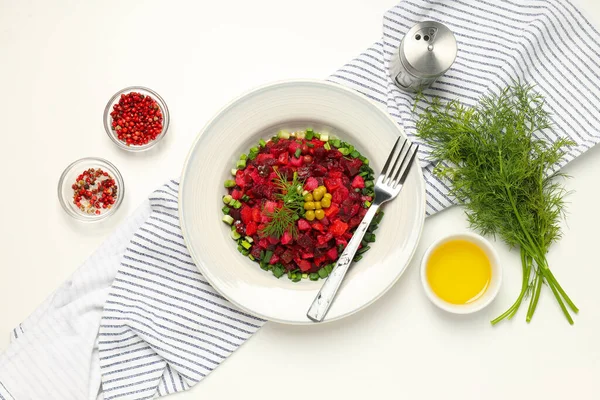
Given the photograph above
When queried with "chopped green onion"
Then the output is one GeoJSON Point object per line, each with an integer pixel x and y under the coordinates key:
{"type": "Point", "coordinates": [278, 271]}
{"type": "Point", "coordinates": [370, 237]}
{"type": "Point", "coordinates": [364, 243]}
{"type": "Point", "coordinates": [298, 152]}
{"type": "Point", "coordinates": [372, 227]}
{"type": "Point", "coordinates": [344, 151]}
{"type": "Point", "coordinates": [251, 257]}
{"type": "Point", "coordinates": [235, 235]}
{"type": "Point", "coordinates": [245, 197]}
{"type": "Point", "coordinates": [305, 276]}
{"type": "Point", "coordinates": [228, 219]}
{"type": "Point", "coordinates": [225, 210]}
{"type": "Point", "coordinates": [317, 135]}
{"type": "Point", "coordinates": [243, 156]}
{"type": "Point", "coordinates": [233, 171]}
{"type": "Point", "coordinates": [236, 204]}
{"type": "Point", "coordinates": [275, 139]}
{"type": "Point", "coordinates": [262, 143]}
{"type": "Point", "coordinates": [229, 183]}
{"type": "Point", "coordinates": [366, 161]}
{"type": "Point", "coordinates": [300, 135]}
{"type": "Point", "coordinates": [378, 217]}
{"type": "Point", "coordinates": [350, 148]}
{"type": "Point", "coordinates": [254, 149]}
{"type": "Point", "coordinates": [309, 134]}
{"type": "Point", "coordinates": [327, 146]}
{"type": "Point", "coordinates": [227, 199]}
{"type": "Point", "coordinates": [361, 250]}
{"type": "Point", "coordinates": [324, 137]}
{"type": "Point", "coordinates": [323, 272]}
{"type": "Point", "coordinates": [314, 276]}
{"type": "Point", "coordinates": [329, 268]}
{"type": "Point", "coordinates": [337, 143]}
{"type": "Point", "coordinates": [355, 154]}
{"type": "Point", "coordinates": [264, 265]}
{"type": "Point", "coordinates": [297, 278]}
{"type": "Point", "coordinates": [252, 156]}
{"type": "Point", "coordinates": [357, 258]}
{"type": "Point", "coordinates": [367, 204]}
{"type": "Point", "coordinates": [305, 192]}
{"type": "Point", "coordinates": [246, 245]}
{"type": "Point", "coordinates": [249, 239]}
{"type": "Point", "coordinates": [283, 134]}
{"type": "Point", "coordinates": [245, 252]}
{"type": "Point", "coordinates": [241, 164]}
{"type": "Point", "coordinates": [357, 190]}
{"type": "Point", "coordinates": [268, 256]}
{"type": "Point", "coordinates": [364, 173]}
{"type": "Point", "coordinates": [311, 145]}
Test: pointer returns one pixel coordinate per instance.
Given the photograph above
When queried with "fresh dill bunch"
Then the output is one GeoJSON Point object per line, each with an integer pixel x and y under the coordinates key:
{"type": "Point", "coordinates": [504, 176]}
{"type": "Point", "coordinates": [290, 192]}
{"type": "Point", "coordinates": [283, 220]}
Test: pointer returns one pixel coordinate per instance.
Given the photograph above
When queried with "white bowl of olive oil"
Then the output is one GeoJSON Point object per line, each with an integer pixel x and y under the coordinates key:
{"type": "Point", "coordinates": [461, 273]}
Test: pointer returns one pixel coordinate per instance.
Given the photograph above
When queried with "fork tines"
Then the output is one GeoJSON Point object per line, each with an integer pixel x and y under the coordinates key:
{"type": "Point", "coordinates": [402, 161]}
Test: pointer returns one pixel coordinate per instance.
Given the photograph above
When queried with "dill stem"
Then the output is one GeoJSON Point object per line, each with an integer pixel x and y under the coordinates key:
{"type": "Point", "coordinates": [524, 285]}
{"type": "Point", "coordinates": [535, 295]}
{"type": "Point", "coordinates": [550, 277]}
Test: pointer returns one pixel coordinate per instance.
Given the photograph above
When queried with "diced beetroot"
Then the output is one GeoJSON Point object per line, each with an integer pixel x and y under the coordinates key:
{"type": "Point", "coordinates": [338, 228]}
{"type": "Point", "coordinates": [236, 194]}
{"type": "Point", "coordinates": [332, 211]}
{"type": "Point", "coordinates": [311, 184]}
{"type": "Point", "coordinates": [294, 146]}
{"type": "Point", "coordinates": [303, 225]}
{"type": "Point", "coordinates": [320, 260]}
{"type": "Point", "coordinates": [255, 252]}
{"type": "Point", "coordinates": [332, 184]}
{"type": "Point", "coordinates": [296, 162]}
{"type": "Point", "coordinates": [335, 174]}
{"type": "Point", "coordinates": [332, 253]}
{"type": "Point", "coordinates": [318, 170]}
{"type": "Point", "coordinates": [263, 243]}
{"type": "Point", "coordinates": [283, 158]}
{"type": "Point", "coordinates": [286, 238]}
{"type": "Point", "coordinates": [339, 240]}
{"type": "Point", "coordinates": [256, 215]}
{"type": "Point", "coordinates": [353, 166]}
{"type": "Point", "coordinates": [323, 239]}
{"type": "Point", "coordinates": [358, 182]}
{"type": "Point", "coordinates": [246, 214]}
{"type": "Point", "coordinates": [304, 265]}
{"type": "Point", "coordinates": [340, 195]}
{"type": "Point", "coordinates": [317, 226]}
{"type": "Point", "coordinates": [262, 158]}
{"type": "Point", "coordinates": [305, 241]}
{"type": "Point", "coordinates": [251, 228]}
{"type": "Point", "coordinates": [273, 240]}
{"type": "Point", "coordinates": [270, 206]}
{"type": "Point", "coordinates": [354, 222]}
{"type": "Point", "coordinates": [307, 255]}
{"type": "Point", "coordinates": [287, 256]}
{"type": "Point", "coordinates": [274, 259]}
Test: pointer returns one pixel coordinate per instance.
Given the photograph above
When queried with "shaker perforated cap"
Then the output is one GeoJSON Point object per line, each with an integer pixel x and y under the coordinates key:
{"type": "Point", "coordinates": [428, 49]}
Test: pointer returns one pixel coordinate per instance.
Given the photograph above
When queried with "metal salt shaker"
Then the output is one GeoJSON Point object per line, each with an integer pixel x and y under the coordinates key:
{"type": "Point", "coordinates": [426, 52]}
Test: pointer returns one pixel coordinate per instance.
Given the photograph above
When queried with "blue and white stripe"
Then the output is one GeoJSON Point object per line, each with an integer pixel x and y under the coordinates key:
{"type": "Point", "coordinates": [142, 322]}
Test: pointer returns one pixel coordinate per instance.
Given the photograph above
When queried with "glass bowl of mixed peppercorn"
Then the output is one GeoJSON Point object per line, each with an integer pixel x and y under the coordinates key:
{"type": "Point", "coordinates": [136, 118]}
{"type": "Point", "coordinates": [91, 189]}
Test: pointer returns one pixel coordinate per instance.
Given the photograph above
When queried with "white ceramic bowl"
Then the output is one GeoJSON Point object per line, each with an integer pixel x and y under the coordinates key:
{"type": "Point", "coordinates": [292, 105]}
{"type": "Point", "coordinates": [495, 281]}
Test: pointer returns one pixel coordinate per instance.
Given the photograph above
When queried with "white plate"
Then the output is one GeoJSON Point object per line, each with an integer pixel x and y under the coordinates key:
{"type": "Point", "coordinates": [326, 107]}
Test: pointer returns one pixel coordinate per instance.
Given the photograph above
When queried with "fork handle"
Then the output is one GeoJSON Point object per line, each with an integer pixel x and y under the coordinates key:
{"type": "Point", "coordinates": [322, 302]}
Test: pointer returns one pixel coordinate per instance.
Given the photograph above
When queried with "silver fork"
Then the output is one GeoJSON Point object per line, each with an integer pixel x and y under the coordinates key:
{"type": "Point", "coordinates": [388, 185]}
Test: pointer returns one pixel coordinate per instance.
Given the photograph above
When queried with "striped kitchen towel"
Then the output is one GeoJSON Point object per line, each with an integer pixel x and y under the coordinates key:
{"type": "Point", "coordinates": [160, 328]}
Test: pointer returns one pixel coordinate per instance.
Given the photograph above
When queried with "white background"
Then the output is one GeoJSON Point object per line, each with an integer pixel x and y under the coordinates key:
{"type": "Point", "coordinates": [59, 64]}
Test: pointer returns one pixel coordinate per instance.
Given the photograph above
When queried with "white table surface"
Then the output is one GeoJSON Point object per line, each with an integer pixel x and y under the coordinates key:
{"type": "Point", "coordinates": [60, 62]}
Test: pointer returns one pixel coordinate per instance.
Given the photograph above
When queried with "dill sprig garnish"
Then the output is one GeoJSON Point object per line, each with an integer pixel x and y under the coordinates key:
{"type": "Point", "coordinates": [284, 218]}
{"type": "Point", "coordinates": [504, 177]}
{"type": "Point", "coordinates": [290, 192]}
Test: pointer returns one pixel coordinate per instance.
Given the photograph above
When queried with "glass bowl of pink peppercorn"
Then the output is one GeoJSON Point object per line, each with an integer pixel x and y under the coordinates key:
{"type": "Point", "coordinates": [91, 189]}
{"type": "Point", "coordinates": [136, 118]}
